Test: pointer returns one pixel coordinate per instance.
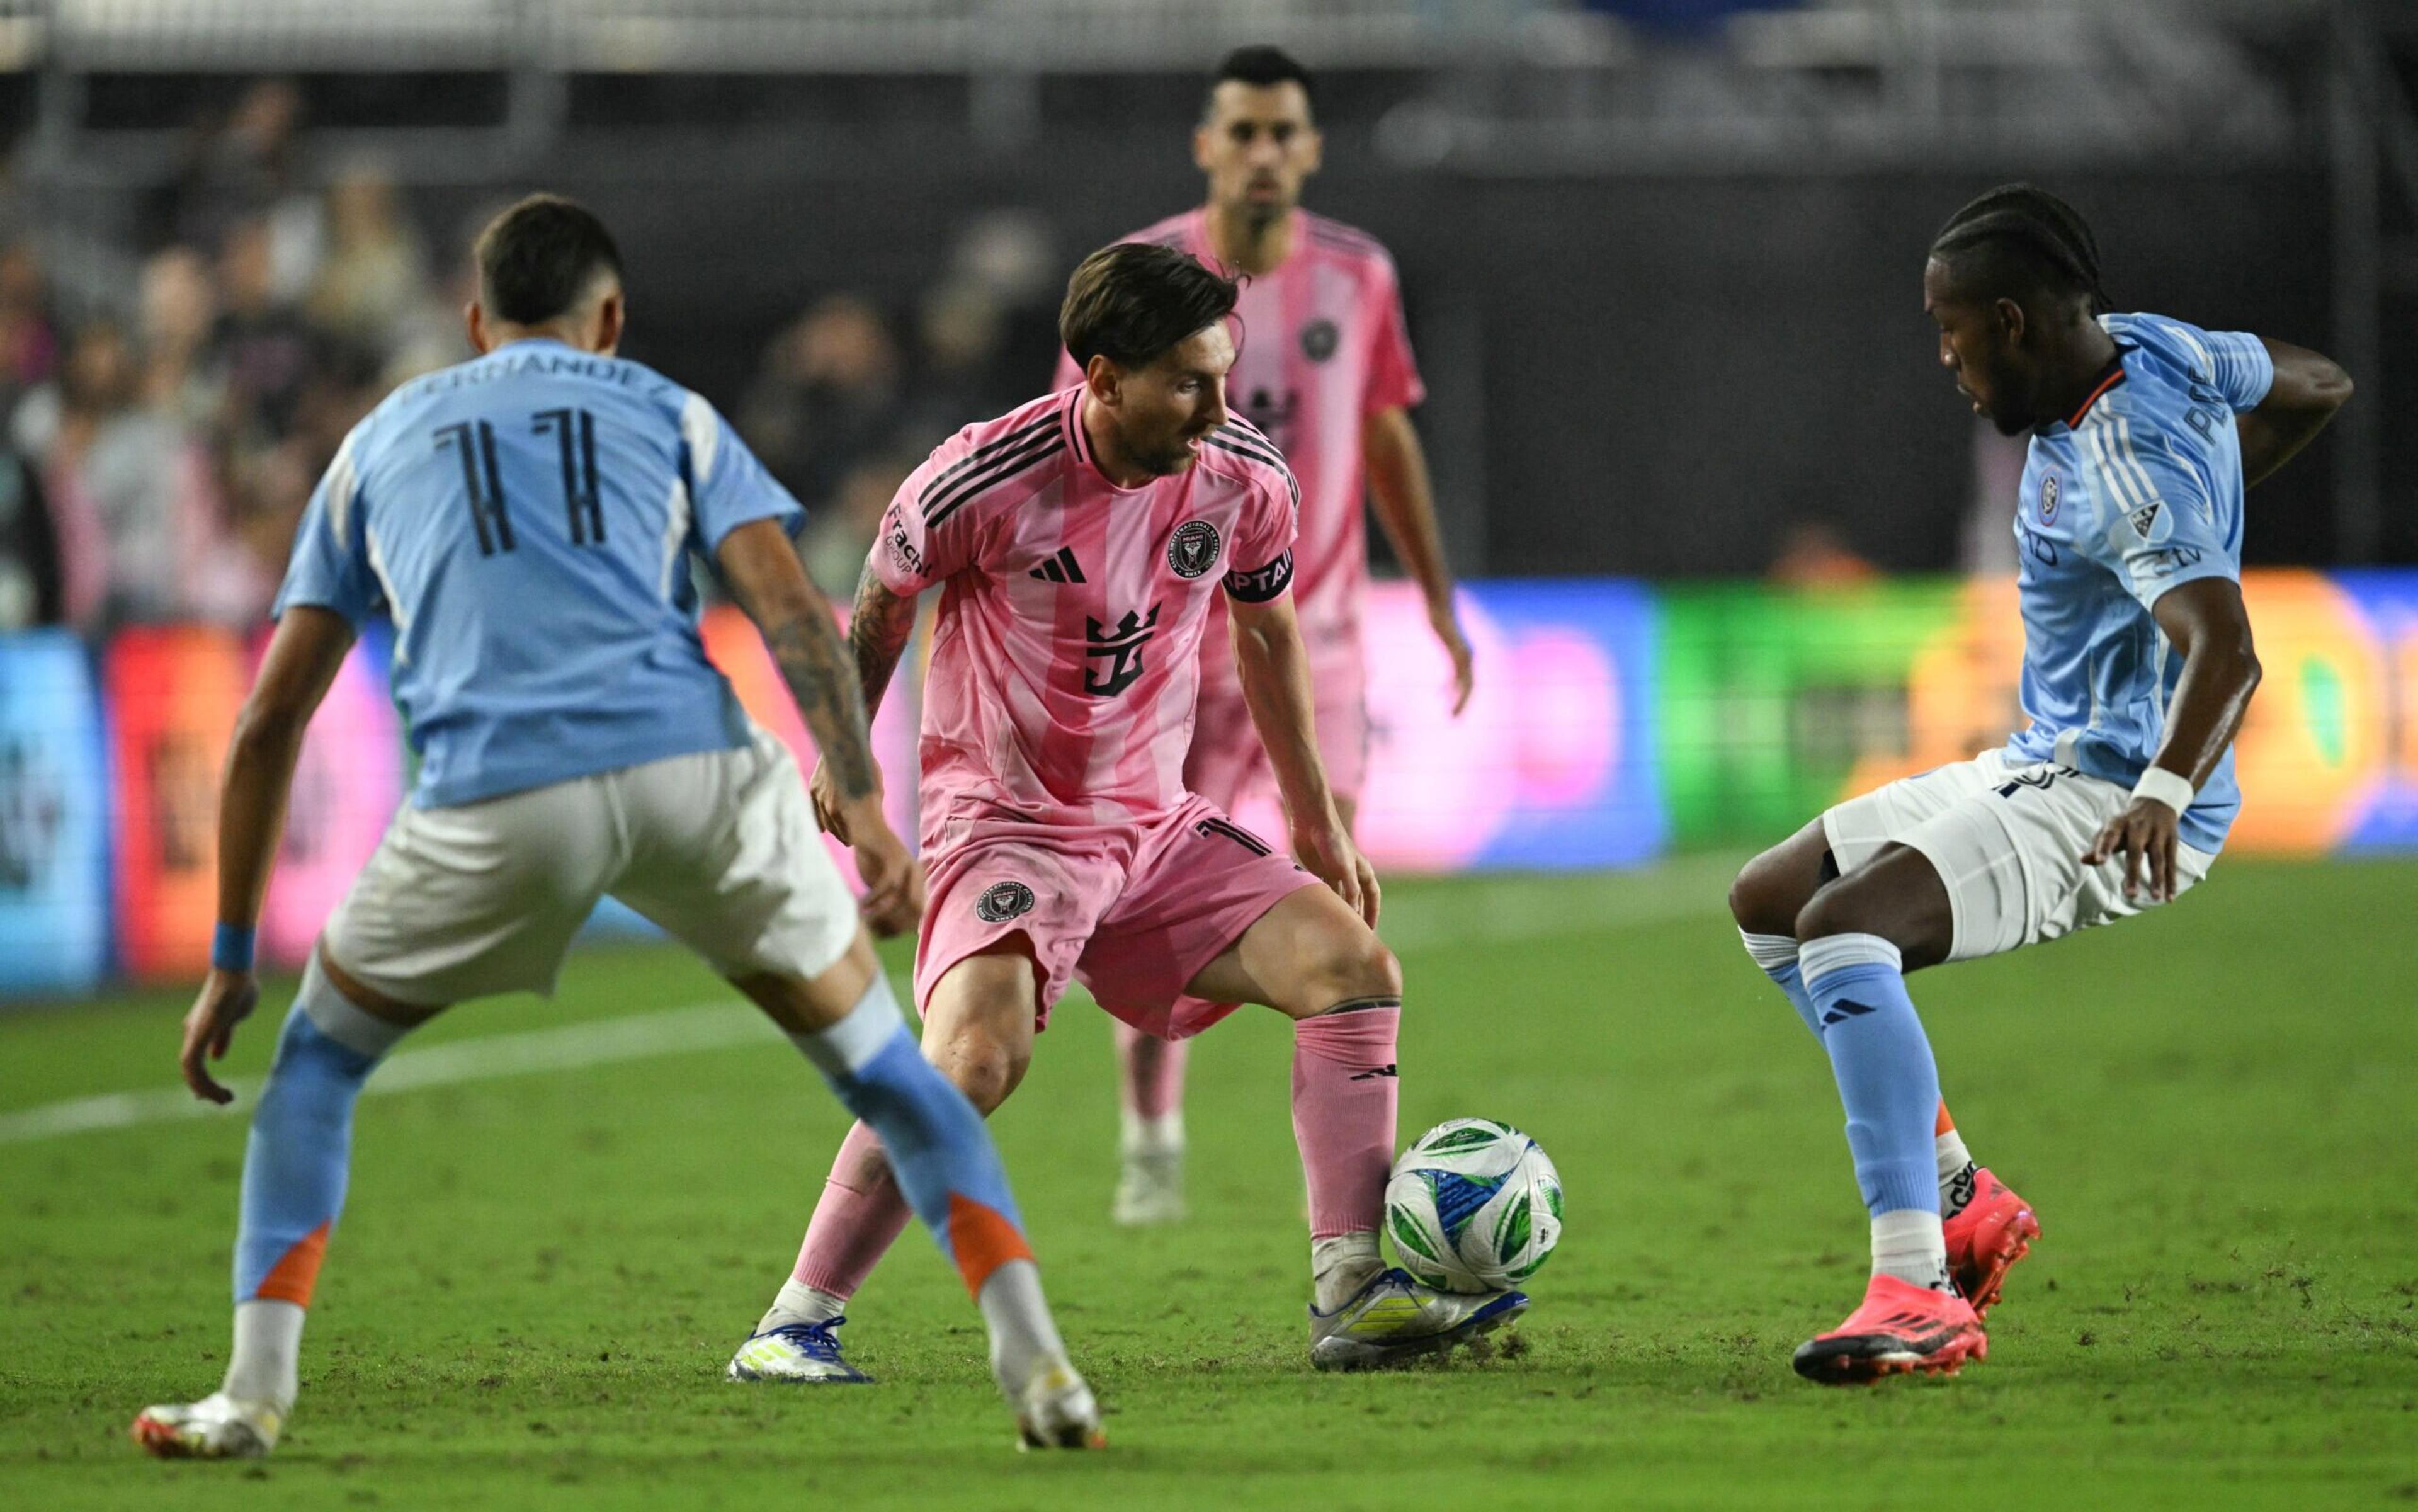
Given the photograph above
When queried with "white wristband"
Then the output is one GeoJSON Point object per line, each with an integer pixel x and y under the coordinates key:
{"type": "Point", "coordinates": [2171, 788]}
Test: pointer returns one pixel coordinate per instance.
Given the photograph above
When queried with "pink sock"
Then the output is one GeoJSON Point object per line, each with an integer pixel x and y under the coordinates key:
{"type": "Point", "coordinates": [1343, 1093]}
{"type": "Point", "coordinates": [860, 1215]}
{"type": "Point", "coordinates": [1151, 1070]}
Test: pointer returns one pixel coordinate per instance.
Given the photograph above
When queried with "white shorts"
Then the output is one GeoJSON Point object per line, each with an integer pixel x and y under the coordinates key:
{"type": "Point", "coordinates": [2008, 840]}
{"type": "Point", "coordinates": [719, 847]}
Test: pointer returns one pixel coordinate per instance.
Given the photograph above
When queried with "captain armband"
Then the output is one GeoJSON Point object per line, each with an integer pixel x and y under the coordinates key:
{"type": "Point", "coordinates": [1262, 584]}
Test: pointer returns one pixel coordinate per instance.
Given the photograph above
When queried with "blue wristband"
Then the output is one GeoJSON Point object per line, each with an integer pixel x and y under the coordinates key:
{"type": "Point", "coordinates": [231, 948]}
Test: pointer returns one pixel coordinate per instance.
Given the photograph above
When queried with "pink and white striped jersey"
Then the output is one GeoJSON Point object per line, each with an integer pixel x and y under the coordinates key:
{"type": "Point", "coordinates": [1322, 347]}
{"type": "Point", "coordinates": [1067, 662]}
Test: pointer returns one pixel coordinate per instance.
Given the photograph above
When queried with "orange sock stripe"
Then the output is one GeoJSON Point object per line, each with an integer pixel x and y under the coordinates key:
{"type": "Point", "coordinates": [297, 1270]}
{"type": "Point", "coordinates": [1945, 1123]}
{"type": "Point", "coordinates": [982, 1239]}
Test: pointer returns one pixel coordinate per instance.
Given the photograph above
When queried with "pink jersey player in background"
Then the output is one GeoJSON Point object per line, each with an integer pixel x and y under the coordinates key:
{"type": "Point", "coordinates": [1326, 371]}
{"type": "Point", "coordinates": [1081, 544]}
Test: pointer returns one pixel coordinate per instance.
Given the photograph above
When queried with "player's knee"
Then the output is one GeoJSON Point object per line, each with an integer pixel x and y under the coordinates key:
{"type": "Point", "coordinates": [1353, 963]}
{"type": "Point", "coordinates": [983, 1068]}
{"type": "Point", "coordinates": [982, 1062]}
{"type": "Point", "coordinates": [1841, 908]}
{"type": "Point", "coordinates": [1754, 900]}
{"type": "Point", "coordinates": [1770, 890]}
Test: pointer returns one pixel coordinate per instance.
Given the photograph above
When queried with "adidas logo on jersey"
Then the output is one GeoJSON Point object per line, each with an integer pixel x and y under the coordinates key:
{"type": "Point", "coordinates": [1062, 568]}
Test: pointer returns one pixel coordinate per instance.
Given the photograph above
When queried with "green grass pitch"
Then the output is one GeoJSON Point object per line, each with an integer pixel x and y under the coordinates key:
{"type": "Point", "coordinates": [539, 1277]}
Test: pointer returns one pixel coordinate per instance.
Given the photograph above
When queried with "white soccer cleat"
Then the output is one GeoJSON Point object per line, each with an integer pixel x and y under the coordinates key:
{"type": "Point", "coordinates": [1150, 1190]}
{"type": "Point", "coordinates": [1394, 1319]}
{"type": "Point", "coordinates": [798, 1354]}
{"type": "Point", "coordinates": [1056, 1411]}
{"type": "Point", "coordinates": [216, 1427]}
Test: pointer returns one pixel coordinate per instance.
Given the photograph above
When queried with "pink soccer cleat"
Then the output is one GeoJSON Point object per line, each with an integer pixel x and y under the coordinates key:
{"type": "Point", "coordinates": [1995, 1230]}
{"type": "Point", "coordinates": [1900, 1328]}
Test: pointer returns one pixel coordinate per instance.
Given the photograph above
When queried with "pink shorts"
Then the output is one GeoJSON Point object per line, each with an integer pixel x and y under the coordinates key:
{"type": "Point", "coordinates": [1132, 911]}
{"type": "Point", "coordinates": [1229, 765]}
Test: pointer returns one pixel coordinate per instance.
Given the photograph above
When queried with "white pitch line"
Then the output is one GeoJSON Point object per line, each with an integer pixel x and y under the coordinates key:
{"type": "Point", "coordinates": [671, 1031]}
{"type": "Point", "coordinates": [1518, 909]}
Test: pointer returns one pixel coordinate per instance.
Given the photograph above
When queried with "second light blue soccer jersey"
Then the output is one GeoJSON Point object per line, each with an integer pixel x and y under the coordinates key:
{"type": "Point", "coordinates": [2137, 492]}
{"type": "Point", "coordinates": [525, 520]}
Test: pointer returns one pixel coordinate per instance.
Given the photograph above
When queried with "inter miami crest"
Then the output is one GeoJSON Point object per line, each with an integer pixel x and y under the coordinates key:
{"type": "Point", "coordinates": [1002, 901]}
{"type": "Point", "coordinates": [1319, 339]}
{"type": "Point", "coordinates": [1193, 549]}
{"type": "Point", "coordinates": [2048, 499]}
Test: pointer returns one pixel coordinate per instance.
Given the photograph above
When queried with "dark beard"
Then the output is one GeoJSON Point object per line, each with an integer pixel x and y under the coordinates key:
{"type": "Point", "coordinates": [1170, 462]}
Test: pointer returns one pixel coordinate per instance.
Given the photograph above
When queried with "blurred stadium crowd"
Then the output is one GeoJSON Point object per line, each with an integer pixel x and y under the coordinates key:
{"type": "Point", "coordinates": [159, 448]}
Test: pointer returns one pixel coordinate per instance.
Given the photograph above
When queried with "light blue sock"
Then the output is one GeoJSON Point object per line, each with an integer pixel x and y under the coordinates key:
{"type": "Point", "coordinates": [939, 1151]}
{"type": "Point", "coordinates": [1887, 1079]}
{"type": "Point", "coordinates": [296, 1160]}
{"type": "Point", "coordinates": [1776, 956]}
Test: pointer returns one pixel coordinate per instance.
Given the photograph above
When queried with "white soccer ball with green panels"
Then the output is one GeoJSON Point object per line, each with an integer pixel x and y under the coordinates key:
{"type": "Point", "coordinates": [1474, 1206]}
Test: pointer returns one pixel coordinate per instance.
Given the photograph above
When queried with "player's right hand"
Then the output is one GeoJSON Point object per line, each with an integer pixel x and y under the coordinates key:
{"type": "Point", "coordinates": [225, 1000]}
{"type": "Point", "coordinates": [893, 878]}
{"type": "Point", "coordinates": [1327, 851]}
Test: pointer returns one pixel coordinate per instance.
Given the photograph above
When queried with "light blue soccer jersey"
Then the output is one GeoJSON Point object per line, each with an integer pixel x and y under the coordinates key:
{"type": "Point", "coordinates": [525, 520]}
{"type": "Point", "coordinates": [2137, 493]}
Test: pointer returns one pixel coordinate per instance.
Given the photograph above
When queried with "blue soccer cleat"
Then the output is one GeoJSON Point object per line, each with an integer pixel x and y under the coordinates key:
{"type": "Point", "coordinates": [805, 1353]}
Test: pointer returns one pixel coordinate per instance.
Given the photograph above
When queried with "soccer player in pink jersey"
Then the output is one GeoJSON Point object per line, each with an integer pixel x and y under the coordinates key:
{"type": "Point", "coordinates": [1326, 371]}
{"type": "Point", "coordinates": [1080, 543]}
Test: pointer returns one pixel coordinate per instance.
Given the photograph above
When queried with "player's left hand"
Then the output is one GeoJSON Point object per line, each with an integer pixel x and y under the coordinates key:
{"type": "Point", "coordinates": [225, 1000]}
{"type": "Point", "coordinates": [1326, 849]}
{"type": "Point", "coordinates": [2145, 835]}
{"type": "Point", "coordinates": [1456, 644]}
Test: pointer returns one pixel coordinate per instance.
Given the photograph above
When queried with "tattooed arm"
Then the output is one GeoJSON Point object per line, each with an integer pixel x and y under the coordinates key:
{"type": "Point", "coordinates": [878, 629]}
{"type": "Point", "coordinates": [764, 574]}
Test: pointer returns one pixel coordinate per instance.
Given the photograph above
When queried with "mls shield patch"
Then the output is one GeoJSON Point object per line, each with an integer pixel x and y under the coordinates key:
{"type": "Point", "coordinates": [1193, 549]}
{"type": "Point", "coordinates": [2150, 521]}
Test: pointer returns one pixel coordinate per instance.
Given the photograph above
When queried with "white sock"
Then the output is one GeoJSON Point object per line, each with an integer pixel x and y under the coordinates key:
{"type": "Point", "coordinates": [1340, 1266]}
{"type": "Point", "coordinates": [862, 1032]}
{"type": "Point", "coordinates": [1022, 1338]}
{"type": "Point", "coordinates": [800, 1303]}
{"type": "Point", "coordinates": [1908, 1244]}
{"type": "Point", "coordinates": [1159, 1136]}
{"type": "Point", "coordinates": [267, 1353]}
{"type": "Point", "coordinates": [1955, 1173]}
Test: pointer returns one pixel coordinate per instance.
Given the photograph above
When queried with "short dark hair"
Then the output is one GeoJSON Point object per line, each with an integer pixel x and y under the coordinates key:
{"type": "Point", "coordinates": [1260, 67]}
{"type": "Point", "coordinates": [539, 257]}
{"type": "Point", "coordinates": [2018, 238]}
{"type": "Point", "coordinates": [1131, 303]}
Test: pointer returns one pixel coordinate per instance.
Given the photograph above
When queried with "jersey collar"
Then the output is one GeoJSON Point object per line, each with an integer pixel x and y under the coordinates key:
{"type": "Point", "coordinates": [2114, 376]}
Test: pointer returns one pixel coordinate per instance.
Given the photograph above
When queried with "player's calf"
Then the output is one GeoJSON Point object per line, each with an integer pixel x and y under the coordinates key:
{"type": "Point", "coordinates": [295, 1162]}
{"type": "Point", "coordinates": [1150, 1146]}
{"type": "Point", "coordinates": [1313, 959]}
{"type": "Point", "coordinates": [947, 1170]}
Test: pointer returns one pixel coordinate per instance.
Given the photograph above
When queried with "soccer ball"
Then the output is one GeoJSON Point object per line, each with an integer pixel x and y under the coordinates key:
{"type": "Point", "coordinates": [1474, 1206]}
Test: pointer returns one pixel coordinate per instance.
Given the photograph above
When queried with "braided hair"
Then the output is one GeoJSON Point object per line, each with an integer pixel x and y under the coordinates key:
{"type": "Point", "coordinates": [2022, 234]}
